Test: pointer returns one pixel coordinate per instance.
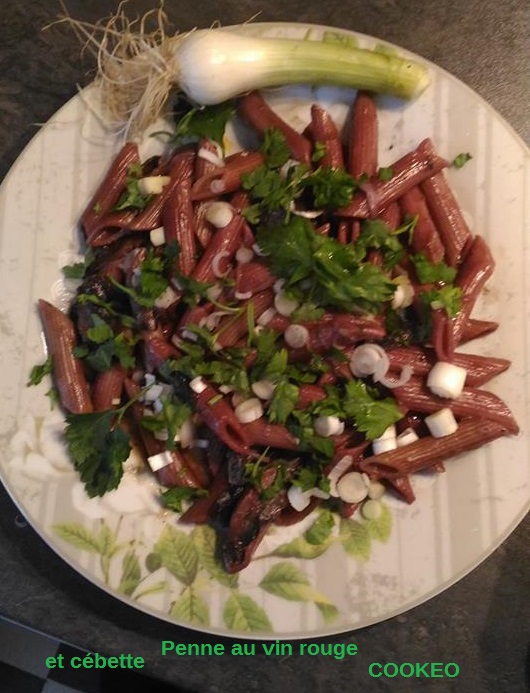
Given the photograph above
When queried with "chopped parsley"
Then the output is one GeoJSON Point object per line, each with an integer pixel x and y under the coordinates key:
{"type": "Point", "coordinates": [274, 148]}
{"type": "Point", "coordinates": [432, 273]}
{"type": "Point", "coordinates": [331, 187]}
{"type": "Point", "coordinates": [173, 498]}
{"type": "Point", "coordinates": [461, 159]}
{"type": "Point", "coordinates": [448, 298]}
{"type": "Point", "coordinates": [103, 347]}
{"type": "Point", "coordinates": [132, 198]}
{"type": "Point", "coordinates": [385, 174]}
{"type": "Point", "coordinates": [98, 448]}
{"type": "Point", "coordinates": [202, 121]}
{"type": "Point", "coordinates": [331, 271]}
{"type": "Point", "coordinates": [39, 372]}
{"type": "Point", "coordinates": [78, 270]}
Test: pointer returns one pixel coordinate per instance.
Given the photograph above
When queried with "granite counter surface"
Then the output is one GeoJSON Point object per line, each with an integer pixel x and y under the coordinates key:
{"type": "Point", "coordinates": [482, 622]}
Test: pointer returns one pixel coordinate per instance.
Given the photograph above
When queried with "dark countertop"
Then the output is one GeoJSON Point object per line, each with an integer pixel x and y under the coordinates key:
{"type": "Point", "coordinates": [480, 622]}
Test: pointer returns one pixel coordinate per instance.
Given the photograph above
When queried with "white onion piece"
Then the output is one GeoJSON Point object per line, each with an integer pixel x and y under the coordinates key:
{"type": "Point", "coordinates": [383, 445]}
{"type": "Point", "coordinates": [407, 437]}
{"type": "Point", "coordinates": [305, 213]}
{"type": "Point", "coordinates": [376, 490]}
{"type": "Point", "coordinates": [296, 336]}
{"type": "Point", "coordinates": [219, 214]}
{"type": "Point", "coordinates": [162, 459]}
{"type": "Point", "coordinates": [243, 295]}
{"type": "Point", "coordinates": [372, 197]}
{"type": "Point", "coordinates": [267, 315]}
{"type": "Point", "coordinates": [211, 157]}
{"type": "Point", "coordinates": [351, 488]}
{"type": "Point", "coordinates": [328, 426]}
{"type": "Point", "coordinates": [186, 433]}
{"type": "Point", "coordinates": [264, 389]}
{"type": "Point", "coordinates": [152, 185]}
{"type": "Point", "coordinates": [371, 509]}
{"type": "Point", "coordinates": [442, 423]}
{"type": "Point", "coordinates": [258, 250]}
{"type": "Point", "coordinates": [338, 470]}
{"type": "Point", "coordinates": [217, 186]}
{"type": "Point", "coordinates": [404, 377]}
{"type": "Point", "coordinates": [157, 236]}
{"type": "Point", "coordinates": [278, 286]}
{"type": "Point", "coordinates": [369, 359]}
{"type": "Point", "coordinates": [213, 292]}
{"type": "Point", "coordinates": [446, 379]}
{"type": "Point", "coordinates": [198, 385]}
{"type": "Point", "coordinates": [166, 298]}
{"type": "Point", "coordinates": [249, 410]}
{"type": "Point", "coordinates": [404, 293]}
{"type": "Point", "coordinates": [244, 255]}
{"type": "Point", "coordinates": [298, 499]}
{"type": "Point", "coordinates": [216, 269]}
{"type": "Point", "coordinates": [285, 306]}
{"type": "Point", "coordinates": [318, 493]}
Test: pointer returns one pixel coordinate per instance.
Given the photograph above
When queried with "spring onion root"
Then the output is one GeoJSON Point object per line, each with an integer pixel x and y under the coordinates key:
{"type": "Point", "coordinates": [139, 68]}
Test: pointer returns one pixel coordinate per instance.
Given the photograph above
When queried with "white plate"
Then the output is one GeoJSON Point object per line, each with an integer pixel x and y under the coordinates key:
{"type": "Point", "coordinates": [120, 541]}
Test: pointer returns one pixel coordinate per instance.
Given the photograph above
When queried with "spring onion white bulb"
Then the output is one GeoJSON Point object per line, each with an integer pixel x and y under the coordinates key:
{"type": "Point", "coordinates": [446, 379]}
{"type": "Point", "coordinates": [138, 69]}
{"type": "Point", "coordinates": [212, 66]}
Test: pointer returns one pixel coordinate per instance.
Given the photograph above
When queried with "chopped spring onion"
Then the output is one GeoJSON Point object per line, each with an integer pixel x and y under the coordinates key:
{"type": "Point", "coordinates": [446, 379]}
{"type": "Point", "coordinates": [441, 423]}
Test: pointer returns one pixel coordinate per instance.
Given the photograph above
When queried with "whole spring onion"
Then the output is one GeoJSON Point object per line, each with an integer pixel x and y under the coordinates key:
{"type": "Point", "coordinates": [139, 68]}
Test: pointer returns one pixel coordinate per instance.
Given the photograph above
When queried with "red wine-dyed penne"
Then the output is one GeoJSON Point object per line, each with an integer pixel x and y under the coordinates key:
{"type": "Point", "coordinates": [68, 373]}
{"type": "Point", "coordinates": [254, 110]}
{"type": "Point", "coordinates": [407, 172]}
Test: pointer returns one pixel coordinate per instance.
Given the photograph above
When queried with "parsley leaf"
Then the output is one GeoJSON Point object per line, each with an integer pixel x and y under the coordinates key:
{"type": "Point", "coordinates": [132, 198]}
{"type": "Point", "coordinates": [103, 346]}
{"type": "Point", "coordinates": [371, 416]}
{"type": "Point", "coordinates": [283, 402]}
{"type": "Point", "coordinates": [431, 273]}
{"type": "Point", "coordinates": [376, 234]}
{"type": "Point", "coordinates": [385, 174]}
{"type": "Point", "coordinates": [39, 372]}
{"type": "Point", "coordinates": [297, 252]}
{"type": "Point", "coordinates": [331, 187]}
{"type": "Point", "coordinates": [274, 148]}
{"type": "Point", "coordinates": [78, 270]}
{"type": "Point", "coordinates": [448, 297]}
{"type": "Point", "coordinates": [204, 121]}
{"type": "Point", "coordinates": [98, 449]}
{"type": "Point", "coordinates": [173, 498]}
